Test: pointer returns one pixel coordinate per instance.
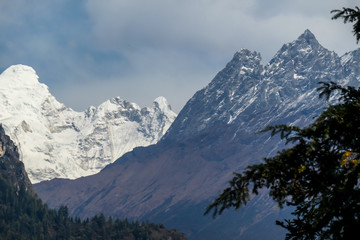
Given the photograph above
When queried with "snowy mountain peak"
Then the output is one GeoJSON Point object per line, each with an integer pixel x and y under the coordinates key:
{"type": "Point", "coordinates": [162, 102]}
{"type": "Point", "coordinates": [245, 58]}
{"type": "Point", "coordinates": [351, 62]}
{"type": "Point", "coordinates": [21, 84]}
{"type": "Point", "coordinates": [164, 106]}
{"type": "Point", "coordinates": [306, 43]}
{"type": "Point", "coordinates": [308, 36]}
{"type": "Point", "coordinates": [244, 68]}
{"type": "Point", "coordinates": [218, 103]}
{"type": "Point", "coordinates": [20, 69]}
{"type": "Point", "coordinates": [245, 54]}
{"type": "Point", "coordinates": [118, 103]}
{"type": "Point", "coordinates": [19, 75]}
{"type": "Point", "coordinates": [351, 57]}
{"type": "Point", "coordinates": [55, 141]}
{"type": "Point", "coordinates": [301, 58]}
{"type": "Point", "coordinates": [304, 46]}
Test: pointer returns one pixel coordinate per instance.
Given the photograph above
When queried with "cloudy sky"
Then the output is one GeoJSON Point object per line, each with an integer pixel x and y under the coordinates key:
{"type": "Point", "coordinates": [88, 51]}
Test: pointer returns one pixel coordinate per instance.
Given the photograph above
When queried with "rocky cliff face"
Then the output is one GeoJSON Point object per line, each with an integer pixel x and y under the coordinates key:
{"type": "Point", "coordinates": [213, 136]}
{"type": "Point", "coordinates": [56, 141]}
{"type": "Point", "coordinates": [11, 168]}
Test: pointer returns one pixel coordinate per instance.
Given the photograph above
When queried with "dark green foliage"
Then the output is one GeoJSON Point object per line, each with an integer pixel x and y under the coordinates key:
{"type": "Point", "coordinates": [23, 216]}
{"type": "Point", "coordinates": [351, 15]}
{"type": "Point", "coordinates": [319, 176]}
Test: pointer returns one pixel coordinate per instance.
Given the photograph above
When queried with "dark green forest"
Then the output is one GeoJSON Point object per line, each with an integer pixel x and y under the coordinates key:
{"type": "Point", "coordinates": [23, 216]}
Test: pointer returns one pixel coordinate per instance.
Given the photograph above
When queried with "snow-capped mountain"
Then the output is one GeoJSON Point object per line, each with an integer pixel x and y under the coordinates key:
{"type": "Point", "coordinates": [56, 141]}
{"type": "Point", "coordinates": [213, 136]}
{"type": "Point", "coordinates": [248, 95]}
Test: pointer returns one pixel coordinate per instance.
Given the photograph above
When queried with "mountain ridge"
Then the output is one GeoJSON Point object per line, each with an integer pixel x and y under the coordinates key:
{"type": "Point", "coordinates": [213, 136]}
{"type": "Point", "coordinates": [56, 141]}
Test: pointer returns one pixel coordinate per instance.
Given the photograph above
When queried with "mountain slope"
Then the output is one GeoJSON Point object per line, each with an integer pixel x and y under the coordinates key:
{"type": "Point", "coordinates": [24, 216]}
{"type": "Point", "coordinates": [56, 141]}
{"type": "Point", "coordinates": [11, 168]}
{"type": "Point", "coordinates": [213, 136]}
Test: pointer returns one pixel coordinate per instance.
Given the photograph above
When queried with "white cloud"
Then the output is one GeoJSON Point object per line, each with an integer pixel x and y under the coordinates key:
{"type": "Point", "coordinates": [140, 49]}
{"type": "Point", "coordinates": [166, 39]}
{"type": "Point", "coordinates": [214, 26]}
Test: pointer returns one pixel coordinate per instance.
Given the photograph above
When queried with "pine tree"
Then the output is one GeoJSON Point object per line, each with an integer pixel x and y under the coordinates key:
{"type": "Point", "coordinates": [351, 15]}
{"type": "Point", "coordinates": [320, 175]}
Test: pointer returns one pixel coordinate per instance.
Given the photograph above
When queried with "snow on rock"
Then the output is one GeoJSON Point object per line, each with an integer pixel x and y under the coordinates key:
{"type": "Point", "coordinates": [57, 142]}
{"type": "Point", "coordinates": [250, 95]}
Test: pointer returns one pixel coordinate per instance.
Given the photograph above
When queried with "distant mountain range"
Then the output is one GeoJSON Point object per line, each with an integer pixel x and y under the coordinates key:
{"type": "Point", "coordinates": [213, 136]}
{"type": "Point", "coordinates": [56, 141]}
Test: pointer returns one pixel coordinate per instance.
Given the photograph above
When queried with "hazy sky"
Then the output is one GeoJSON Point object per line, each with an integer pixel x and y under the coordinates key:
{"type": "Point", "coordinates": [88, 51]}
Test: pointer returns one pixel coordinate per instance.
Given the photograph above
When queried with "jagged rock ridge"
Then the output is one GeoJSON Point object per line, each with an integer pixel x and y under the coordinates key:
{"type": "Point", "coordinates": [245, 89]}
{"type": "Point", "coordinates": [56, 141]}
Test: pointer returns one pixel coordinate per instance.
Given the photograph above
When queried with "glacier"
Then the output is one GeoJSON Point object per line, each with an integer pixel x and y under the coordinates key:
{"type": "Point", "coordinates": [55, 141]}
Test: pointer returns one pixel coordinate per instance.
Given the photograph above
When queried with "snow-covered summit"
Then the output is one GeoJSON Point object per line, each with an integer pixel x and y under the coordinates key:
{"type": "Point", "coordinates": [19, 85]}
{"type": "Point", "coordinates": [309, 37]}
{"type": "Point", "coordinates": [18, 73]}
{"type": "Point", "coordinates": [246, 88]}
{"type": "Point", "coordinates": [56, 141]}
{"type": "Point", "coordinates": [164, 106]}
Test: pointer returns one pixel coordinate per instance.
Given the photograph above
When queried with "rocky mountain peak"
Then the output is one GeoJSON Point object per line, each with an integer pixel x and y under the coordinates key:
{"type": "Point", "coordinates": [309, 38]}
{"type": "Point", "coordinates": [305, 43]}
{"type": "Point", "coordinates": [245, 86]}
{"type": "Point", "coordinates": [245, 65]}
{"type": "Point", "coordinates": [302, 64]}
{"type": "Point", "coordinates": [216, 103]}
{"type": "Point", "coordinates": [304, 46]}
